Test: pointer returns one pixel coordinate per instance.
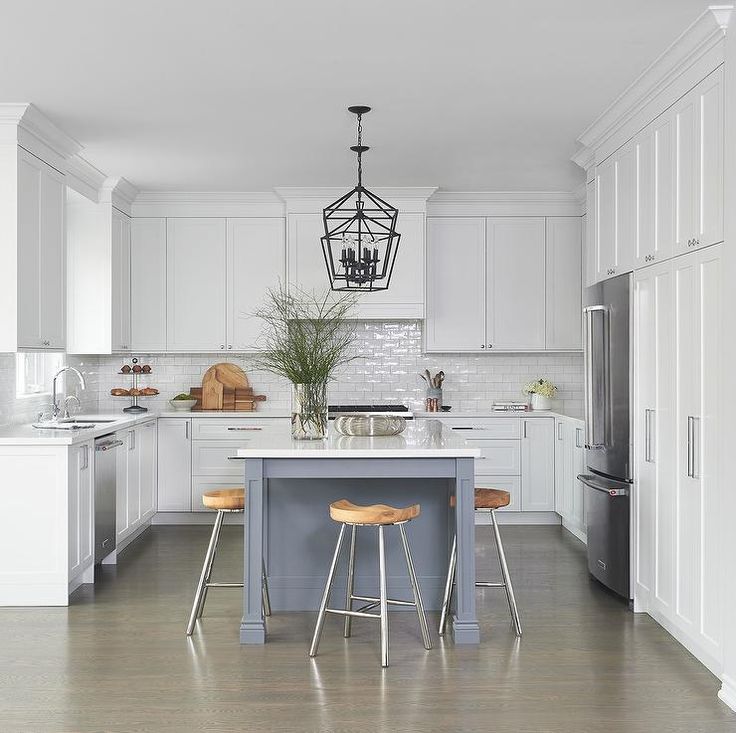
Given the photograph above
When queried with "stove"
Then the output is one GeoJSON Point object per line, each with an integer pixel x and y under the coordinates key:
{"type": "Point", "coordinates": [387, 409]}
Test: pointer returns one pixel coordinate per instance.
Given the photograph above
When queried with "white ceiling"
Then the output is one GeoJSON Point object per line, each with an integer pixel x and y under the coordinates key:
{"type": "Point", "coordinates": [243, 96]}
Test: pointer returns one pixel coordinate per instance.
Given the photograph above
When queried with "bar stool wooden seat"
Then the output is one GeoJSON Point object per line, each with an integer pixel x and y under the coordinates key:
{"type": "Point", "coordinates": [223, 501]}
{"type": "Point", "coordinates": [379, 516]}
{"type": "Point", "coordinates": [489, 499]}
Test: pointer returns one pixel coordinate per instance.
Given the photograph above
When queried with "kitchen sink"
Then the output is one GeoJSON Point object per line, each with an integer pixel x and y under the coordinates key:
{"type": "Point", "coordinates": [70, 424]}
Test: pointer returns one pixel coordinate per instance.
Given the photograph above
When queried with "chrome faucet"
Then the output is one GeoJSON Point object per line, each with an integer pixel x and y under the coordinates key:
{"type": "Point", "coordinates": [55, 409]}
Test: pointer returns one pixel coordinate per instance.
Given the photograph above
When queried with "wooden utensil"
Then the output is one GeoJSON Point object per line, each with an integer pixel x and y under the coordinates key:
{"type": "Point", "coordinates": [212, 390]}
{"type": "Point", "coordinates": [231, 375]}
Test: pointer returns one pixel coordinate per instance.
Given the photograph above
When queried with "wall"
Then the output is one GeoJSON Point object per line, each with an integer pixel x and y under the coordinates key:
{"type": "Point", "coordinates": [390, 357]}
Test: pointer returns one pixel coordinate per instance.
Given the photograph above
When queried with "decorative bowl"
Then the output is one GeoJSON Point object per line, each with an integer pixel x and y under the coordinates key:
{"type": "Point", "coordinates": [369, 424]}
{"type": "Point", "coordinates": [182, 405]}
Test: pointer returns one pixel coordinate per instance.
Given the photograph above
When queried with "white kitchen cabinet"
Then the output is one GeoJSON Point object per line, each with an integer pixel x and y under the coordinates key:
{"type": "Point", "coordinates": [538, 465]}
{"type": "Point", "coordinates": [512, 484]}
{"type": "Point", "coordinates": [404, 297]}
{"type": "Point", "coordinates": [174, 465]}
{"type": "Point", "coordinates": [515, 283]}
{"type": "Point", "coordinates": [41, 258]}
{"type": "Point", "coordinates": [626, 172]}
{"type": "Point", "coordinates": [256, 262]}
{"type": "Point", "coordinates": [698, 126]}
{"type": "Point", "coordinates": [195, 284]}
{"type": "Point", "coordinates": [589, 226]}
{"type": "Point", "coordinates": [148, 284]}
{"type": "Point", "coordinates": [81, 507]}
{"type": "Point", "coordinates": [564, 283]}
{"type": "Point", "coordinates": [605, 219]}
{"type": "Point", "coordinates": [147, 462]}
{"type": "Point", "coordinates": [677, 349]}
{"type": "Point", "coordinates": [569, 464]}
{"type": "Point", "coordinates": [121, 264]}
{"type": "Point", "coordinates": [456, 284]}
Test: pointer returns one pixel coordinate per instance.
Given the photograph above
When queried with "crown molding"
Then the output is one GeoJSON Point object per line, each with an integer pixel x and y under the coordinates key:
{"type": "Point", "coordinates": [698, 49]}
{"type": "Point", "coordinates": [118, 192]}
{"type": "Point", "coordinates": [24, 124]}
{"type": "Point", "coordinates": [312, 199]}
{"type": "Point", "coordinates": [84, 178]}
{"type": "Point", "coordinates": [208, 203]}
{"type": "Point", "coordinates": [505, 203]}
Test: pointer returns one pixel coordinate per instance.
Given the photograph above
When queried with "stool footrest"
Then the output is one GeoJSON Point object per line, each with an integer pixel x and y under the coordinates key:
{"type": "Point", "coordinates": [392, 601]}
{"type": "Point", "coordinates": [484, 584]}
{"type": "Point", "coordinates": [223, 585]}
{"type": "Point", "coordinates": [345, 612]}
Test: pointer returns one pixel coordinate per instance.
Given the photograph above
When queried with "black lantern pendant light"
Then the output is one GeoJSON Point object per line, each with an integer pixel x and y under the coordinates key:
{"type": "Point", "coordinates": [360, 240]}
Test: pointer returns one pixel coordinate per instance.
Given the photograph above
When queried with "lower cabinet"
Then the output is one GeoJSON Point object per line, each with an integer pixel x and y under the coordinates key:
{"type": "Point", "coordinates": [174, 464]}
{"type": "Point", "coordinates": [81, 487]}
{"type": "Point", "coordinates": [136, 478]}
{"type": "Point", "coordinates": [517, 455]}
{"type": "Point", "coordinates": [569, 464]}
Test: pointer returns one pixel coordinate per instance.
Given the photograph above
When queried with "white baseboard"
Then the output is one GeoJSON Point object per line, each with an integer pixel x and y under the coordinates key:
{"type": "Point", "coordinates": [122, 544]}
{"type": "Point", "coordinates": [505, 517]}
{"type": "Point", "coordinates": [193, 518]}
{"type": "Point", "coordinates": [727, 693]}
{"type": "Point", "coordinates": [576, 531]}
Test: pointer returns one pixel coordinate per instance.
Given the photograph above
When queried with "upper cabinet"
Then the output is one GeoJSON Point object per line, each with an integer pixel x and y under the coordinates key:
{"type": "Point", "coordinates": [218, 272]}
{"type": "Point", "coordinates": [148, 284]}
{"type": "Point", "coordinates": [456, 284]}
{"type": "Point", "coordinates": [405, 296]}
{"type": "Point", "coordinates": [256, 261]}
{"type": "Point", "coordinates": [32, 255]}
{"type": "Point", "coordinates": [661, 193]}
{"type": "Point", "coordinates": [195, 284]}
{"type": "Point", "coordinates": [503, 284]}
{"type": "Point", "coordinates": [121, 264]}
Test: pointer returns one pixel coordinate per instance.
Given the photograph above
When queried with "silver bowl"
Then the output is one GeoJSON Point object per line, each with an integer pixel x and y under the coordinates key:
{"type": "Point", "coordinates": [369, 424]}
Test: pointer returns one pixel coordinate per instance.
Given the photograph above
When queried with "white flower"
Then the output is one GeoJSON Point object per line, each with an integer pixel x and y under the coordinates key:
{"type": "Point", "coordinates": [542, 387]}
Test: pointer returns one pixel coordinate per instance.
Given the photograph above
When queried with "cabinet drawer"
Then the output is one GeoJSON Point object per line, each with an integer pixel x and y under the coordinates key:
{"type": "Point", "coordinates": [498, 457]}
{"type": "Point", "coordinates": [512, 484]}
{"type": "Point", "coordinates": [202, 484]}
{"type": "Point", "coordinates": [212, 459]}
{"type": "Point", "coordinates": [489, 427]}
{"type": "Point", "coordinates": [217, 429]}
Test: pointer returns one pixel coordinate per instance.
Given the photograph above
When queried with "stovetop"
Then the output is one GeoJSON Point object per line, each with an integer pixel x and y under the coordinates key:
{"type": "Point", "coordinates": [393, 409]}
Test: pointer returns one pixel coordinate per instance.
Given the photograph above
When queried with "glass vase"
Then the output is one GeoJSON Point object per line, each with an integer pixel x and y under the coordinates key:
{"type": "Point", "coordinates": [309, 411]}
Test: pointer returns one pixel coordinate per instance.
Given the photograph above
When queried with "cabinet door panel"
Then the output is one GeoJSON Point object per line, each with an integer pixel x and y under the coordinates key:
{"type": "Point", "coordinates": [515, 267]}
{"type": "Point", "coordinates": [195, 284]}
{"type": "Point", "coordinates": [456, 287]}
{"type": "Point", "coordinates": [563, 281]}
{"type": "Point", "coordinates": [605, 224]}
{"type": "Point", "coordinates": [52, 274]}
{"type": "Point", "coordinates": [512, 484]}
{"type": "Point", "coordinates": [498, 457]}
{"type": "Point", "coordinates": [684, 119]}
{"type": "Point", "coordinates": [148, 284]}
{"type": "Point", "coordinates": [133, 452]}
{"type": "Point", "coordinates": [121, 264]}
{"type": "Point", "coordinates": [589, 249]}
{"type": "Point", "coordinates": [210, 458]}
{"type": "Point", "coordinates": [664, 186]}
{"type": "Point", "coordinates": [709, 152]}
{"type": "Point", "coordinates": [146, 433]}
{"type": "Point", "coordinates": [626, 208]}
{"type": "Point", "coordinates": [29, 251]}
{"type": "Point", "coordinates": [255, 263]}
{"type": "Point", "coordinates": [538, 465]}
{"type": "Point", "coordinates": [174, 489]}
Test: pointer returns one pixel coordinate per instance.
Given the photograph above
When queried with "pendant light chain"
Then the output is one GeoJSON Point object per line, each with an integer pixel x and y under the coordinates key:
{"type": "Point", "coordinates": [360, 156]}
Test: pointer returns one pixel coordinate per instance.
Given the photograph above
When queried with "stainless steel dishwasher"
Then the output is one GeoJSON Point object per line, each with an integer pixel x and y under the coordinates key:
{"type": "Point", "coordinates": [106, 448]}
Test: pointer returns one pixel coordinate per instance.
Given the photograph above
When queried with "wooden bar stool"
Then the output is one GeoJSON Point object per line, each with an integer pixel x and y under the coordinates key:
{"type": "Point", "coordinates": [380, 516]}
{"type": "Point", "coordinates": [224, 501]}
{"type": "Point", "coordinates": [484, 499]}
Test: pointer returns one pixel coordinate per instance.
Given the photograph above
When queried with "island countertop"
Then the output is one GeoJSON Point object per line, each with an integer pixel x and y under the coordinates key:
{"type": "Point", "coordinates": [421, 439]}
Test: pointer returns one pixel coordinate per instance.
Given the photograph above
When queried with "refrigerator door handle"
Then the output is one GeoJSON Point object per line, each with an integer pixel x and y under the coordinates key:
{"type": "Point", "coordinates": [595, 370]}
{"type": "Point", "coordinates": [690, 447]}
{"type": "Point", "coordinates": [693, 447]}
{"type": "Point", "coordinates": [648, 442]}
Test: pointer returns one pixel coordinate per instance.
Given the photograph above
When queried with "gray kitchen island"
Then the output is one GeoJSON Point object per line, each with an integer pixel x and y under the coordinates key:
{"type": "Point", "coordinates": [290, 484]}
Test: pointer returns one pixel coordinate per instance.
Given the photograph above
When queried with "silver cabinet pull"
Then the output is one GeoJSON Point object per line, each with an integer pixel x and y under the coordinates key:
{"type": "Point", "coordinates": [559, 431]}
{"type": "Point", "coordinates": [648, 448]}
{"type": "Point", "coordinates": [690, 447]}
{"type": "Point", "coordinates": [524, 435]}
{"type": "Point", "coordinates": [186, 429]}
{"type": "Point", "coordinates": [131, 440]}
{"type": "Point", "coordinates": [243, 428]}
{"type": "Point", "coordinates": [482, 346]}
{"type": "Point", "coordinates": [693, 447]}
{"type": "Point", "coordinates": [578, 442]}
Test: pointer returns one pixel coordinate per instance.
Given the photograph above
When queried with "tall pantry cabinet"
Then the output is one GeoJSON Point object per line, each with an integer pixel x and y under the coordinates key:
{"type": "Point", "coordinates": [676, 367]}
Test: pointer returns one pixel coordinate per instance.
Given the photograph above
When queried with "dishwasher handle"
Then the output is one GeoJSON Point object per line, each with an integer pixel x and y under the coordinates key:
{"type": "Point", "coordinates": [108, 445]}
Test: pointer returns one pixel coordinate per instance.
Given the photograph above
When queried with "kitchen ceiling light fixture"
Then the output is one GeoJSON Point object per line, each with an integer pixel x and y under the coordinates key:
{"type": "Point", "coordinates": [360, 240]}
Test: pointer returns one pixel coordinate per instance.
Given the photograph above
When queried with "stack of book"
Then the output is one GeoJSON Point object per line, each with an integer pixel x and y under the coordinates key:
{"type": "Point", "coordinates": [510, 407]}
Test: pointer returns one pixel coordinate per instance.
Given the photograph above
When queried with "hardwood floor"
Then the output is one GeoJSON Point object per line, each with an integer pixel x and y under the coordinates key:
{"type": "Point", "coordinates": [118, 659]}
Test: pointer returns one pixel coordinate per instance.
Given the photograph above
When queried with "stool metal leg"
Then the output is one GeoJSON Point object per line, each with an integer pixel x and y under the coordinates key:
{"type": "Point", "coordinates": [206, 570]}
{"type": "Point", "coordinates": [350, 585]}
{"type": "Point", "coordinates": [383, 596]}
{"type": "Point", "coordinates": [326, 595]}
{"type": "Point", "coordinates": [211, 565]}
{"type": "Point", "coordinates": [506, 577]}
{"type": "Point", "coordinates": [266, 599]}
{"type": "Point", "coordinates": [449, 587]}
{"type": "Point", "coordinates": [415, 589]}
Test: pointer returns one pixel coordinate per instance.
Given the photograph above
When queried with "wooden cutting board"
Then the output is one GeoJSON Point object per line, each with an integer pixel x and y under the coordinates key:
{"type": "Point", "coordinates": [225, 386]}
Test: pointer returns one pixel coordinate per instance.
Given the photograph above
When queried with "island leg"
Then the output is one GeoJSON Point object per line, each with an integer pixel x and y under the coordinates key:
{"type": "Point", "coordinates": [465, 627]}
{"type": "Point", "coordinates": [253, 625]}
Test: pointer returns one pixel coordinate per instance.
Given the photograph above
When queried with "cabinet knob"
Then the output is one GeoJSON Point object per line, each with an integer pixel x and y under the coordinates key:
{"type": "Point", "coordinates": [222, 346]}
{"type": "Point", "coordinates": [229, 346]}
{"type": "Point", "coordinates": [490, 346]}
{"type": "Point", "coordinates": [482, 346]}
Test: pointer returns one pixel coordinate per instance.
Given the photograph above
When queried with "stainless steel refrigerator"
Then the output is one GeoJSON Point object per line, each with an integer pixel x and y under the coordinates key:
{"type": "Point", "coordinates": [607, 431]}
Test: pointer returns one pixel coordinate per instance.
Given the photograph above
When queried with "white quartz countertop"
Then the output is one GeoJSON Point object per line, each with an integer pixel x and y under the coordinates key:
{"type": "Point", "coordinates": [28, 435]}
{"type": "Point", "coordinates": [226, 415]}
{"type": "Point", "coordinates": [421, 439]}
{"type": "Point", "coordinates": [475, 414]}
